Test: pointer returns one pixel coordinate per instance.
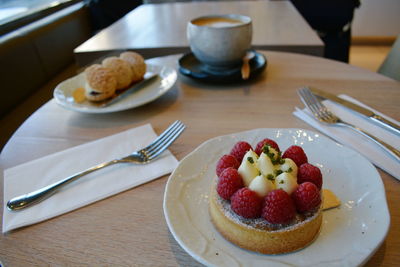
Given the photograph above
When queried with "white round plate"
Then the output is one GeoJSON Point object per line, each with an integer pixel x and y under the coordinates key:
{"type": "Point", "coordinates": [349, 234]}
{"type": "Point", "coordinates": [149, 92]}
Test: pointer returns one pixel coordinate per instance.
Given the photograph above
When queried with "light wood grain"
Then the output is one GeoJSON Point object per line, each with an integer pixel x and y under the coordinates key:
{"type": "Point", "coordinates": [129, 229]}
{"type": "Point", "coordinates": [160, 29]}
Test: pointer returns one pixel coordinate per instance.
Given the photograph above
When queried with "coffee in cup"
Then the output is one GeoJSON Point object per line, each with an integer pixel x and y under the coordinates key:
{"type": "Point", "coordinates": [220, 41]}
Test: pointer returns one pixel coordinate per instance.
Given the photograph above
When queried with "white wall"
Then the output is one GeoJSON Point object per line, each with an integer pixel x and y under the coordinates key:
{"type": "Point", "coordinates": [377, 18]}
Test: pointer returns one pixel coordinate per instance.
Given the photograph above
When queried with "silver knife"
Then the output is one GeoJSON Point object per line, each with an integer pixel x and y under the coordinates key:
{"type": "Point", "coordinates": [129, 91]}
{"type": "Point", "coordinates": [364, 111]}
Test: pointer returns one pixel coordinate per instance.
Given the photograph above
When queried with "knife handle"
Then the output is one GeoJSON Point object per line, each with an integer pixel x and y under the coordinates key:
{"type": "Point", "coordinates": [387, 124]}
{"type": "Point", "coordinates": [391, 150]}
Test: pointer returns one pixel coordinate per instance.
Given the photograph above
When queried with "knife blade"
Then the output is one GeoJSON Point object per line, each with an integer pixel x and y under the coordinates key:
{"type": "Point", "coordinates": [135, 87]}
{"type": "Point", "coordinates": [379, 120]}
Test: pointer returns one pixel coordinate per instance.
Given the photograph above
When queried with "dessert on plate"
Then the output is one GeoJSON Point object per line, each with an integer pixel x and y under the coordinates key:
{"type": "Point", "coordinates": [137, 64]}
{"type": "Point", "coordinates": [100, 83]}
{"type": "Point", "coordinates": [122, 71]}
{"type": "Point", "coordinates": [111, 77]}
{"type": "Point", "coordinates": [266, 201]}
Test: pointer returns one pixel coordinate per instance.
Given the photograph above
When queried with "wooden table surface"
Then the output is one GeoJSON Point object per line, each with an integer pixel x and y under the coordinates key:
{"type": "Point", "coordinates": [160, 29]}
{"type": "Point", "coordinates": [129, 228]}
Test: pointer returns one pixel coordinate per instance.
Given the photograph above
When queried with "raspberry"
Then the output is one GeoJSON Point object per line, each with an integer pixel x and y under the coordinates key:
{"type": "Point", "coordinates": [296, 154]}
{"type": "Point", "coordinates": [278, 207]}
{"type": "Point", "coordinates": [240, 149]}
{"type": "Point", "coordinates": [226, 161]}
{"type": "Point", "coordinates": [266, 141]}
{"type": "Point", "coordinates": [306, 197]}
{"type": "Point", "coordinates": [228, 183]}
{"type": "Point", "coordinates": [309, 173]}
{"type": "Point", "coordinates": [246, 203]}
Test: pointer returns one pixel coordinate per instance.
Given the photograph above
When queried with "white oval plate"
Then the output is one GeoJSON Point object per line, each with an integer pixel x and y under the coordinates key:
{"type": "Point", "coordinates": [349, 235]}
{"type": "Point", "coordinates": [149, 92]}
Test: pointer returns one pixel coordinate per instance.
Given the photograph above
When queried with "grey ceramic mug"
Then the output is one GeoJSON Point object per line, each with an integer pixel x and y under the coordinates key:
{"type": "Point", "coordinates": [220, 41]}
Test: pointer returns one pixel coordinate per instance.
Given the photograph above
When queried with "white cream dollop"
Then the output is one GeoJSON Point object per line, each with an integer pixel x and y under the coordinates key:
{"type": "Point", "coordinates": [261, 185]}
{"type": "Point", "coordinates": [287, 182]}
{"type": "Point", "coordinates": [274, 153]}
{"type": "Point", "coordinates": [289, 166]}
{"type": "Point", "coordinates": [248, 168]}
{"type": "Point", "coordinates": [264, 164]}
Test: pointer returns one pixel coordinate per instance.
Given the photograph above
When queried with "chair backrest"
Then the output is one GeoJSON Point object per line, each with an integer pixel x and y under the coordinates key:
{"type": "Point", "coordinates": [391, 65]}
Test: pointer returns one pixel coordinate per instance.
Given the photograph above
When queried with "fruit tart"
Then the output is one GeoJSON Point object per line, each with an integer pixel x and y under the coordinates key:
{"type": "Point", "coordinates": [267, 201]}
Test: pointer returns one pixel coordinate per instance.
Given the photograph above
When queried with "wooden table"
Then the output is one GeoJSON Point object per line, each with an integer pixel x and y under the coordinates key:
{"type": "Point", "coordinates": [160, 29]}
{"type": "Point", "coordinates": [129, 228]}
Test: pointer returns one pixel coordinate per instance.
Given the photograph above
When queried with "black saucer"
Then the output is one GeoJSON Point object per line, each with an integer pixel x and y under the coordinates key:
{"type": "Point", "coordinates": [190, 66]}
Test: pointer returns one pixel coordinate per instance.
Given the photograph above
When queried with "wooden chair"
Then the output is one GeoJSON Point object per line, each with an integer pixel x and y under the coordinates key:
{"type": "Point", "coordinates": [391, 65]}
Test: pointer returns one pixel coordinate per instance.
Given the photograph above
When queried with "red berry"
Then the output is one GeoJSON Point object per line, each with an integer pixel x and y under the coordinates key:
{"type": "Point", "coordinates": [246, 203]}
{"type": "Point", "coordinates": [226, 161]}
{"type": "Point", "coordinates": [278, 207]}
{"type": "Point", "coordinates": [266, 141]}
{"type": "Point", "coordinates": [306, 197]}
{"type": "Point", "coordinates": [297, 154]}
{"type": "Point", "coordinates": [228, 183]}
{"type": "Point", "coordinates": [240, 149]}
{"type": "Point", "coordinates": [309, 173]}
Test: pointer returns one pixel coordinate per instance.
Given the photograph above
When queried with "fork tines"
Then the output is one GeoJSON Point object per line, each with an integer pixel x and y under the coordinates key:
{"type": "Point", "coordinates": [164, 140]}
{"type": "Point", "coordinates": [313, 103]}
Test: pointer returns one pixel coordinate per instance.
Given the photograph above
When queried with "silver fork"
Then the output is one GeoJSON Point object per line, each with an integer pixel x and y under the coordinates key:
{"type": "Point", "coordinates": [142, 156]}
{"type": "Point", "coordinates": [322, 113]}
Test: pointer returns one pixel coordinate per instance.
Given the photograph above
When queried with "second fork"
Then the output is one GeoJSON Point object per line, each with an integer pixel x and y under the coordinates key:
{"type": "Point", "coordinates": [323, 114]}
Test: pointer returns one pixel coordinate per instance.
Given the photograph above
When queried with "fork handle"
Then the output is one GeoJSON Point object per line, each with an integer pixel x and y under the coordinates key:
{"type": "Point", "coordinates": [35, 197]}
{"type": "Point", "coordinates": [393, 151]}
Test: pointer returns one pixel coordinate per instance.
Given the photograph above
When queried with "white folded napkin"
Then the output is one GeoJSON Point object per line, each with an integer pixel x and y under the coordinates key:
{"type": "Point", "coordinates": [356, 141]}
{"type": "Point", "coordinates": [103, 183]}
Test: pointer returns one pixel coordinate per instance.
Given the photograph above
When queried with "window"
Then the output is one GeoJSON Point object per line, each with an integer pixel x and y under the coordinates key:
{"type": "Point", "coordinates": [17, 13]}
